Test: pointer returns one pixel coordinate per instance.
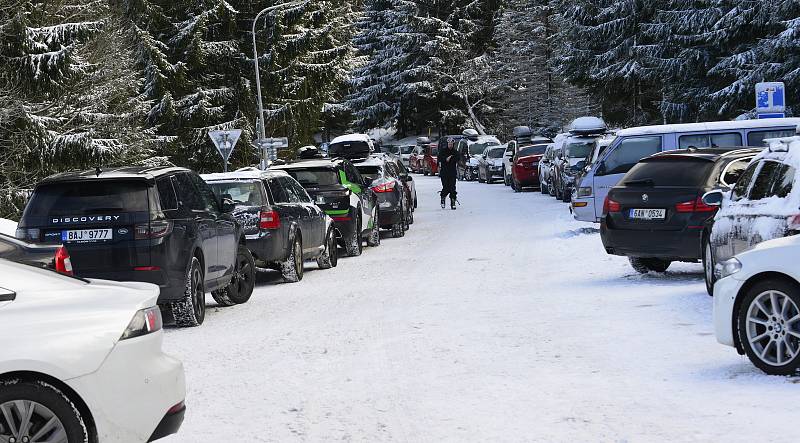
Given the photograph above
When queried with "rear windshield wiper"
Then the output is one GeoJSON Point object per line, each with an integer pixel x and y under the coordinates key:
{"type": "Point", "coordinates": [641, 182]}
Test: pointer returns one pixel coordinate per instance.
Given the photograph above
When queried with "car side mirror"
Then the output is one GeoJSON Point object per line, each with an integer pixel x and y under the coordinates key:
{"type": "Point", "coordinates": [7, 295]}
{"type": "Point", "coordinates": [713, 198]}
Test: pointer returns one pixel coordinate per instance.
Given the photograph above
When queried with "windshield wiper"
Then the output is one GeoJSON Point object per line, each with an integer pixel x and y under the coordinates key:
{"type": "Point", "coordinates": [641, 182]}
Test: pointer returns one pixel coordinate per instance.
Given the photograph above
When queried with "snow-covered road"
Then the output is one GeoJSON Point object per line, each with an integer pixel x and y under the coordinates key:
{"type": "Point", "coordinates": [502, 321]}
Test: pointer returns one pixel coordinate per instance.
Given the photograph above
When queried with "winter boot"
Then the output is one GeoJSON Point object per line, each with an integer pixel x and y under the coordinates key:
{"type": "Point", "coordinates": [453, 203]}
{"type": "Point", "coordinates": [443, 202]}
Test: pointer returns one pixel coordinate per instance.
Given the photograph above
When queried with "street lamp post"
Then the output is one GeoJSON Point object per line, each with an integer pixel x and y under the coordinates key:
{"type": "Point", "coordinates": [261, 130]}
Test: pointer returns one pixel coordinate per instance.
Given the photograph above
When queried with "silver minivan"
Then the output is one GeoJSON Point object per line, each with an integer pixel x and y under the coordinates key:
{"type": "Point", "coordinates": [634, 144]}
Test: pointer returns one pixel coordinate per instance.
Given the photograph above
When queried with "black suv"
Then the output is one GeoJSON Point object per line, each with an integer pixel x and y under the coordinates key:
{"type": "Point", "coordinates": [394, 206]}
{"type": "Point", "coordinates": [340, 190]}
{"type": "Point", "coordinates": [656, 215]}
{"type": "Point", "coordinates": [155, 225]}
{"type": "Point", "coordinates": [282, 224]}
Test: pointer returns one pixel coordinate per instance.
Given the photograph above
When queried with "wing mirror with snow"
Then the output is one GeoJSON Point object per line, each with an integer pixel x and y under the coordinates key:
{"type": "Point", "coordinates": [713, 198]}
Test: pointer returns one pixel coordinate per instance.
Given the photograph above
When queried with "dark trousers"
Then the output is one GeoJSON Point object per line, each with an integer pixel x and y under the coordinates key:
{"type": "Point", "coordinates": [448, 185]}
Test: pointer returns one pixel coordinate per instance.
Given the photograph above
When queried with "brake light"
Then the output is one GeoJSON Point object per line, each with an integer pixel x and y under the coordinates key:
{"type": "Point", "coordinates": [62, 261]}
{"type": "Point", "coordinates": [154, 229]}
{"type": "Point", "coordinates": [385, 187]}
{"type": "Point", "coordinates": [611, 206]}
{"type": "Point", "coordinates": [793, 223]}
{"type": "Point", "coordinates": [694, 206]}
{"type": "Point", "coordinates": [145, 321]}
{"type": "Point", "coordinates": [269, 220]}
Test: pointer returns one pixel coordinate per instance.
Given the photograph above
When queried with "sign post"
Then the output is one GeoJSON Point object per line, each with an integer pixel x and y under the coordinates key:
{"type": "Point", "coordinates": [225, 141]}
{"type": "Point", "coordinates": [269, 149]}
{"type": "Point", "coordinates": [770, 100]}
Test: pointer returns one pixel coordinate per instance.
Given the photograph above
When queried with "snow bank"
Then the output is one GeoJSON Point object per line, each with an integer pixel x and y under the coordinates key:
{"type": "Point", "coordinates": [8, 227]}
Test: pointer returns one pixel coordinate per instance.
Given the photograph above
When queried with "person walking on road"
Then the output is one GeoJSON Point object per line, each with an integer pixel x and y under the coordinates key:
{"type": "Point", "coordinates": [448, 159]}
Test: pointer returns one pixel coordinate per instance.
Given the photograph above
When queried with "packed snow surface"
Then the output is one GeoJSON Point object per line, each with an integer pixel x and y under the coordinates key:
{"type": "Point", "coordinates": [502, 321]}
{"type": "Point", "coordinates": [8, 227]}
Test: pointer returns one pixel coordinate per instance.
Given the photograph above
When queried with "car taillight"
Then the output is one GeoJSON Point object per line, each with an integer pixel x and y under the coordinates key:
{"type": "Point", "coordinates": [384, 187]}
{"type": "Point", "coordinates": [62, 261]}
{"type": "Point", "coordinates": [269, 220]}
{"type": "Point", "coordinates": [694, 206]}
{"type": "Point", "coordinates": [793, 223]}
{"type": "Point", "coordinates": [145, 321]}
{"type": "Point", "coordinates": [611, 206]}
{"type": "Point", "coordinates": [154, 229]}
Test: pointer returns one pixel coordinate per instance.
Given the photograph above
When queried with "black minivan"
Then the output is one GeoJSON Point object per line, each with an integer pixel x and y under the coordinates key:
{"type": "Point", "coordinates": [655, 215]}
{"type": "Point", "coordinates": [156, 225]}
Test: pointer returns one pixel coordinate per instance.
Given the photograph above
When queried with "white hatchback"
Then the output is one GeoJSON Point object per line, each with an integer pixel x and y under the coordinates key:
{"type": "Point", "coordinates": [757, 305]}
{"type": "Point", "coordinates": [81, 360]}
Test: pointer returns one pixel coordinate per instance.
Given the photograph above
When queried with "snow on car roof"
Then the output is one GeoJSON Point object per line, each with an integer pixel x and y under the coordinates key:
{"type": "Point", "coordinates": [242, 174]}
{"type": "Point", "coordinates": [352, 138]}
{"type": "Point", "coordinates": [710, 126]}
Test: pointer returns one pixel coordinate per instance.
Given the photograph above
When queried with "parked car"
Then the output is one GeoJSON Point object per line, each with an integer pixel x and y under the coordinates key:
{"type": "Point", "coordinates": [599, 149]}
{"type": "Point", "coordinates": [471, 146]}
{"type": "Point", "coordinates": [157, 225]}
{"type": "Point", "coordinates": [764, 204]}
{"type": "Point", "coordinates": [490, 164]}
{"type": "Point", "coordinates": [634, 144]}
{"type": "Point", "coordinates": [82, 360]}
{"type": "Point", "coordinates": [409, 183]}
{"type": "Point", "coordinates": [281, 223]}
{"type": "Point", "coordinates": [525, 169]}
{"type": "Point", "coordinates": [655, 215]}
{"type": "Point", "coordinates": [547, 162]}
{"type": "Point", "coordinates": [523, 137]}
{"type": "Point", "coordinates": [585, 132]}
{"type": "Point", "coordinates": [757, 305]}
{"type": "Point", "coordinates": [351, 146]}
{"type": "Point", "coordinates": [416, 159]}
{"type": "Point", "coordinates": [55, 257]}
{"type": "Point", "coordinates": [430, 161]}
{"type": "Point", "coordinates": [394, 205]}
{"type": "Point", "coordinates": [405, 154]}
{"type": "Point", "coordinates": [339, 189]}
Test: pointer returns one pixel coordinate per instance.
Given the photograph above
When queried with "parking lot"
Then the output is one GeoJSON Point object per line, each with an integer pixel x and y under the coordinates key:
{"type": "Point", "coordinates": [502, 321]}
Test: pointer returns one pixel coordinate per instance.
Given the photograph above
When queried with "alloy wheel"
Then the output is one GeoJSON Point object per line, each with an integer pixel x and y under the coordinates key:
{"type": "Point", "coordinates": [708, 265]}
{"type": "Point", "coordinates": [199, 294]}
{"type": "Point", "coordinates": [773, 328]}
{"type": "Point", "coordinates": [298, 258]}
{"type": "Point", "coordinates": [30, 422]}
{"type": "Point", "coordinates": [241, 275]}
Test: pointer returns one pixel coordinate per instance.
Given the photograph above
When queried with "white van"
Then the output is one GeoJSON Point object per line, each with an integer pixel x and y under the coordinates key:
{"type": "Point", "coordinates": [633, 144]}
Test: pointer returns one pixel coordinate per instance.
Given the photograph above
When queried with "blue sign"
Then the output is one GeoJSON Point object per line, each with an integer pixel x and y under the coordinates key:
{"type": "Point", "coordinates": [770, 99]}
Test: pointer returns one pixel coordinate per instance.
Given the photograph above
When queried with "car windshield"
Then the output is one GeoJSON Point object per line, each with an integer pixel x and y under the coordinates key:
{"type": "Point", "coordinates": [371, 172]}
{"type": "Point", "coordinates": [242, 193]}
{"type": "Point", "coordinates": [89, 197]}
{"type": "Point", "coordinates": [315, 176]}
{"type": "Point", "coordinates": [580, 149]}
{"type": "Point", "coordinates": [532, 150]}
{"type": "Point", "coordinates": [407, 149]}
{"type": "Point", "coordinates": [668, 173]}
{"type": "Point", "coordinates": [496, 153]}
{"type": "Point", "coordinates": [476, 148]}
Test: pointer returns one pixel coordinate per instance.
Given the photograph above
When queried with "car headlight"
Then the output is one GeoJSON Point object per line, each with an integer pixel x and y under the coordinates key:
{"type": "Point", "coordinates": [585, 191]}
{"type": "Point", "coordinates": [727, 268]}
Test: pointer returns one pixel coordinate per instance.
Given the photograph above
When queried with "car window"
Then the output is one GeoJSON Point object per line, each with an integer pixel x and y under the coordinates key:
{"type": "Point", "coordinates": [629, 152]}
{"type": "Point", "coordinates": [531, 150]}
{"type": "Point", "coordinates": [88, 198]}
{"type": "Point", "coordinates": [242, 193]}
{"type": "Point", "coordinates": [206, 194]}
{"type": "Point", "coordinates": [187, 193]}
{"type": "Point", "coordinates": [315, 177]}
{"type": "Point", "coordinates": [392, 170]}
{"type": "Point", "coordinates": [299, 190]}
{"type": "Point", "coordinates": [401, 168]}
{"type": "Point", "coordinates": [352, 173]}
{"type": "Point", "coordinates": [756, 138]}
{"type": "Point", "coordinates": [495, 152]}
{"type": "Point", "coordinates": [783, 181]}
{"type": "Point", "coordinates": [579, 149]}
{"type": "Point", "coordinates": [510, 148]}
{"type": "Point", "coordinates": [709, 140]}
{"type": "Point", "coordinates": [279, 194]}
{"type": "Point", "coordinates": [166, 193]}
{"type": "Point", "coordinates": [743, 184]}
{"type": "Point", "coordinates": [668, 173]}
{"type": "Point", "coordinates": [731, 173]}
{"type": "Point", "coordinates": [288, 188]}
{"type": "Point", "coordinates": [763, 182]}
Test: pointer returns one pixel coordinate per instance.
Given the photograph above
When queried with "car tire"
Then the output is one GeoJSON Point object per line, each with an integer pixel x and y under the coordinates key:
{"type": "Point", "coordinates": [415, 199]}
{"type": "Point", "coordinates": [645, 265]}
{"type": "Point", "coordinates": [292, 268]}
{"type": "Point", "coordinates": [190, 310]}
{"type": "Point", "coordinates": [708, 266]}
{"type": "Point", "coordinates": [329, 258]}
{"type": "Point", "coordinates": [566, 195]}
{"type": "Point", "coordinates": [41, 404]}
{"type": "Point", "coordinates": [489, 179]}
{"type": "Point", "coordinates": [542, 188]}
{"type": "Point", "coordinates": [515, 186]}
{"type": "Point", "coordinates": [242, 282]}
{"type": "Point", "coordinates": [767, 337]}
{"type": "Point", "coordinates": [506, 178]}
{"type": "Point", "coordinates": [353, 245]}
{"type": "Point", "coordinates": [480, 180]}
{"type": "Point", "coordinates": [374, 238]}
{"type": "Point", "coordinates": [410, 219]}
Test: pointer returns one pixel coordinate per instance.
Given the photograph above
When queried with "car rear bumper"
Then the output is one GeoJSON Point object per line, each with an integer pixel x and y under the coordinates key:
{"type": "Point", "coordinates": [389, 216]}
{"type": "Point", "coordinates": [169, 425]}
{"type": "Point", "coordinates": [170, 289]}
{"type": "Point", "coordinates": [266, 247]}
{"type": "Point", "coordinates": [725, 292]}
{"type": "Point", "coordinates": [582, 209]}
{"type": "Point", "coordinates": [527, 177]}
{"type": "Point", "coordinates": [675, 245]}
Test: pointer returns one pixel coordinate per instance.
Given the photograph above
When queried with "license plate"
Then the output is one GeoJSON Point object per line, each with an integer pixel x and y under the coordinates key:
{"type": "Point", "coordinates": [648, 214]}
{"type": "Point", "coordinates": [86, 235]}
{"type": "Point", "coordinates": [320, 199]}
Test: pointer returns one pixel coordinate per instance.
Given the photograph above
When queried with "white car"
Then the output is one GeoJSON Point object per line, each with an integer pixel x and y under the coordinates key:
{"type": "Point", "coordinates": [81, 360]}
{"type": "Point", "coordinates": [757, 305]}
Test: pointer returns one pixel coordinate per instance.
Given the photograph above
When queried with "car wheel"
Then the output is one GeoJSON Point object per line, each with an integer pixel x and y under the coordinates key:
{"type": "Point", "coordinates": [645, 265]}
{"type": "Point", "coordinates": [410, 220]}
{"type": "Point", "coordinates": [415, 199]}
{"type": "Point", "coordinates": [292, 267]}
{"type": "Point", "coordinates": [566, 195]}
{"type": "Point", "coordinates": [353, 245]}
{"type": "Point", "coordinates": [329, 258]}
{"type": "Point", "coordinates": [191, 309]}
{"type": "Point", "coordinates": [769, 326]}
{"type": "Point", "coordinates": [242, 282]}
{"type": "Point", "coordinates": [542, 188]}
{"type": "Point", "coordinates": [515, 186]}
{"type": "Point", "coordinates": [506, 178]}
{"type": "Point", "coordinates": [36, 411]}
{"type": "Point", "coordinates": [708, 266]}
{"type": "Point", "coordinates": [489, 179]}
{"type": "Point", "coordinates": [374, 238]}
{"type": "Point", "coordinates": [480, 180]}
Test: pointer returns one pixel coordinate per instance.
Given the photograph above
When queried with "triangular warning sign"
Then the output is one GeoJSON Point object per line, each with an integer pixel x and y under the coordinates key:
{"type": "Point", "coordinates": [225, 141]}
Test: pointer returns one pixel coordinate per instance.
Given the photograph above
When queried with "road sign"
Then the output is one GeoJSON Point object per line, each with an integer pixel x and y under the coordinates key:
{"type": "Point", "coordinates": [770, 99]}
{"type": "Point", "coordinates": [225, 141]}
{"type": "Point", "coordinates": [270, 147]}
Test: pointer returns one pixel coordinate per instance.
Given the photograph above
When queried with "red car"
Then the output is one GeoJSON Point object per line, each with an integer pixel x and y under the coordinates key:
{"type": "Point", "coordinates": [525, 172]}
{"type": "Point", "coordinates": [415, 160]}
{"type": "Point", "coordinates": [430, 163]}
